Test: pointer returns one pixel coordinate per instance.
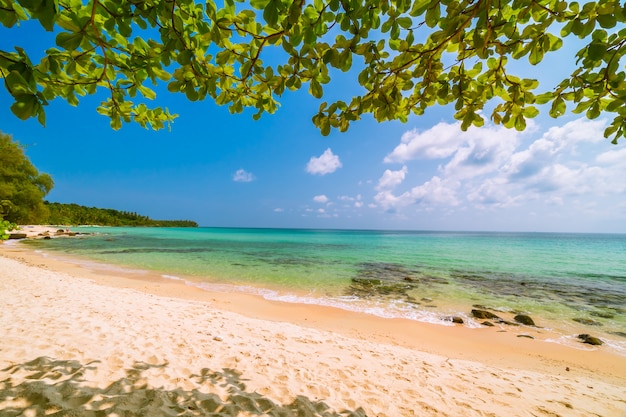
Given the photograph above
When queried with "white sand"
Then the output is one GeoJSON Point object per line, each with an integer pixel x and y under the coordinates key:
{"type": "Point", "coordinates": [38, 231]}
{"type": "Point", "coordinates": [172, 356]}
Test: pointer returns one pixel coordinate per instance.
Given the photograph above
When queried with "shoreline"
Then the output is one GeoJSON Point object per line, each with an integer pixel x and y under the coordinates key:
{"type": "Point", "coordinates": [487, 359]}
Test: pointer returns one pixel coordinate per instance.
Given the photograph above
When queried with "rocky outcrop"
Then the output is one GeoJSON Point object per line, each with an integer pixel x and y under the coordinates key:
{"type": "Point", "coordinates": [484, 314]}
{"type": "Point", "coordinates": [524, 319]}
{"type": "Point", "coordinates": [591, 340]}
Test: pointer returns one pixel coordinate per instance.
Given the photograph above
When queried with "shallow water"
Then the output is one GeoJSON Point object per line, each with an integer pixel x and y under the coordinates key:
{"type": "Point", "coordinates": [426, 276]}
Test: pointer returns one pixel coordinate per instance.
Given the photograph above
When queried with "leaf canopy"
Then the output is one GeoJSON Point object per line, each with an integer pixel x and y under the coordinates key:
{"type": "Point", "coordinates": [406, 56]}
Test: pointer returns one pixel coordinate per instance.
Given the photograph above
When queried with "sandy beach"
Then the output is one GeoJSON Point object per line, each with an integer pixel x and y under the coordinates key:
{"type": "Point", "coordinates": [86, 342]}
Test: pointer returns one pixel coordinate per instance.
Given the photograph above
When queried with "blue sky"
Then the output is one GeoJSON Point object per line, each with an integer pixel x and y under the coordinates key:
{"type": "Point", "coordinates": [228, 170]}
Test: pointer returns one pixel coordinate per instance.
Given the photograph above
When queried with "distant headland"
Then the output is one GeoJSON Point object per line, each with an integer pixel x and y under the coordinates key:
{"type": "Point", "coordinates": [76, 214]}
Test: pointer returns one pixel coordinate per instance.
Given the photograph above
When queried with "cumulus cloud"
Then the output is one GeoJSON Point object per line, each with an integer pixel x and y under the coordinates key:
{"type": "Point", "coordinates": [242, 176]}
{"type": "Point", "coordinates": [390, 178]}
{"type": "Point", "coordinates": [320, 199]}
{"type": "Point", "coordinates": [327, 163]}
{"type": "Point", "coordinates": [436, 191]}
{"type": "Point", "coordinates": [440, 141]}
{"type": "Point", "coordinates": [496, 167]}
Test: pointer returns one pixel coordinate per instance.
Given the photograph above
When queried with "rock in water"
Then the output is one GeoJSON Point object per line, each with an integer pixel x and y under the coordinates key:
{"type": "Point", "coordinates": [591, 340]}
{"type": "Point", "coordinates": [587, 322]}
{"type": "Point", "coordinates": [524, 319]}
{"type": "Point", "coordinates": [454, 319]}
{"type": "Point", "coordinates": [483, 314]}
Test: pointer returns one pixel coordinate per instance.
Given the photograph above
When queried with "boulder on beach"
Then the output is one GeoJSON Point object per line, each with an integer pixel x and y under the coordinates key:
{"type": "Point", "coordinates": [454, 319]}
{"type": "Point", "coordinates": [484, 314]}
{"type": "Point", "coordinates": [17, 236]}
{"type": "Point", "coordinates": [591, 340]}
{"type": "Point", "coordinates": [524, 319]}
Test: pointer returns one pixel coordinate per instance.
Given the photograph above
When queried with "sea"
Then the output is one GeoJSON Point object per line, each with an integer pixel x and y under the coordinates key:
{"type": "Point", "coordinates": [567, 283]}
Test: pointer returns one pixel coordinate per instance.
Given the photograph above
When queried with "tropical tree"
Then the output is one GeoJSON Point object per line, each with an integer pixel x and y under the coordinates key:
{"type": "Point", "coordinates": [5, 225]}
{"type": "Point", "coordinates": [22, 187]}
{"type": "Point", "coordinates": [406, 55]}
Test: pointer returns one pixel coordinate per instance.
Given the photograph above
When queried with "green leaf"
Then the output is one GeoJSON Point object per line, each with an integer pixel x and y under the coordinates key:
{"type": "Point", "coordinates": [25, 106]}
{"type": "Point", "coordinates": [607, 21]}
{"type": "Point", "coordinates": [594, 110]}
{"type": "Point", "coordinates": [147, 92]}
{"type": "Point", "coordinates": [432, 15]}
{"type": "Point", "coordinates": [543, 98]}
{"type": "Point", "coordinates": [530, 112]}
{"type": "Point", "coordinates": [16, 84]}
{"type": "Point", "coordinates": [47, 13]}
{"type": "Point", "coordinates": [596, 51]}
{"type": "Point", "coordinates": [558, 107]}
{"type": "Point", "coordinates": [520, 122]}
{"type": "Point", "coordinates": [315, 89]}
{"type": "Point", "coordinates": [69, 41]}
{"type": "Point", "coordinates": [404, 22]}
{"type": "Point", "coordinates": [259, 4]}
{"type": "Point", "coordinates": [536, 53]}
{"type": "Point", "coordinates": [270, 13]}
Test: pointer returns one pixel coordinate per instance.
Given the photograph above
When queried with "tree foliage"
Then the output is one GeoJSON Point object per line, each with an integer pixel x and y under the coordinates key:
{"type": "Point", "coordinates": [5, 225]}
{"type": "Point", "coordinates": [406, 55]}
{"type": "Point", "coordinates": [76, 214]}
{"type": "Point", "coordinates": [22, 187]}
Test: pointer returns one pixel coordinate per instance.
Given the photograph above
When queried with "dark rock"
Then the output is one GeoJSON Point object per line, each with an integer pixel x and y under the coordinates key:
{"type": "Point", "coordinates": [367, 282]}
{"type": "Point", "coordinates": [508, 323]}
{"type": "Point", "coordinates": [587, 322]}
{"type": "Point", "coordinates": [455, 319]}
{"type": "Point", "coordinates": [480, 306]}
{"type": "Point", "coordinates": [602, 314]}
{"type": "Point", "coordinates": [622, 334]}
{"type": "Point", "coordinates": [487, 323]}
{"type": "Point", "coordinates": [524, 319]}
{"type": "Point", "coordinates": [591, 340]}
{"type": "Point", "coordinates": [483, 314]}
{"type": "Point", "coordinates": [527, 336]}
{"type": "Point", "coordinates": [17, 236]}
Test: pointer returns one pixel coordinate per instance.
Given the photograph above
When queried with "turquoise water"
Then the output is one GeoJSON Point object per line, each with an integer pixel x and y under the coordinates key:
{"type": "Point", "coordinates": [426, 276]}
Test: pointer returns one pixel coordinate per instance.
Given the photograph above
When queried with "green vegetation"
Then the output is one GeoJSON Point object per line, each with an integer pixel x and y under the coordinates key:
{"type": "Point", "coordinates": [76, 214]}
{"type": "Point", "coordinates": [5, 225]}
{"type": "Point", "coordinates": [22, 187]}
{"type": "Point", "coordinates": [406, 56]}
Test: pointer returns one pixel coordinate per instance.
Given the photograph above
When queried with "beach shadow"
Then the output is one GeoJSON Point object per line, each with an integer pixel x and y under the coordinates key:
{"type": "Point", "coordinates": [57, 388]}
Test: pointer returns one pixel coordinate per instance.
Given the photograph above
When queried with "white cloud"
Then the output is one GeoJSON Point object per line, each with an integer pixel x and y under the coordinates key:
{"type": "Point", "coordinates": [242, 176]}
{"type": "Point", "coordinates": [440, 141]}
{"type": "Point", "coordinates": [320, 198]}
{"type": "Point", "coordinates": [391, 179]}
{"type": "Point", "coordinates": [278, 210]}
{"type": "Point", "coordinates": [493, 167]}
{"type": "Point", "coordinates": [327, 163]}
{"type": "Point", "coordinates": [613, 157]}
{"type": "Point", "coordinates": [436, 191]}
